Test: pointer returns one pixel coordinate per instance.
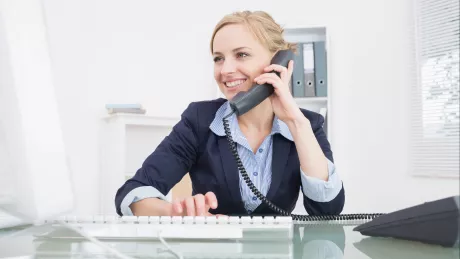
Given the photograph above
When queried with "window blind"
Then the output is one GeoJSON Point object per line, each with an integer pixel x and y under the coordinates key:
{"type": "Point", "coordinates": [435, 105]}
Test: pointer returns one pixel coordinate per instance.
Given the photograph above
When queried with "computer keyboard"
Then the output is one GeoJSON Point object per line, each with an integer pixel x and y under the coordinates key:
{"type": "Point", "coordinates": [151, 227]}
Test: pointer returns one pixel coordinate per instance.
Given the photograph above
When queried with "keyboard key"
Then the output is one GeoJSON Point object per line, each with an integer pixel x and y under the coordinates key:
{"type": "Point", "coordinates": [154, 220]}
{"type": "Point", "coordinates": [246, 220]}
{"type": "Point", "coordinates": [129, 219]}
{"type": "Point", "coordinates": [188, 220]}
{"type": "Point", "coordinates": [211, 220]}
{"type": "Point", "coordinates": [257, 220]}
{"type": "Point", "coordinates": [98, 219]}
{"type": "Point", "coordinates": [234, 220]}
{"type": "Point", "coordinates": [165, 220]}
{"type": "Point", "coordinates": [199, 220]}
{"type": "Point", "coordinates": [143, 219]}
{"type": "Point", "coordinates": [223, 220]}
{"type": "Point", "coordinates": [176, 220]}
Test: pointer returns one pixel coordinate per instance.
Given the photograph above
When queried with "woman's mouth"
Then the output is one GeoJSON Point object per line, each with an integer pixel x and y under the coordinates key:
{"type": "Point", "coordinates": [235, 83]}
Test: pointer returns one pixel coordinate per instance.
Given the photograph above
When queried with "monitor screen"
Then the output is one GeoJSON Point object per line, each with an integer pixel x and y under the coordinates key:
{"type": "Point", "coordinates": [35, 179]}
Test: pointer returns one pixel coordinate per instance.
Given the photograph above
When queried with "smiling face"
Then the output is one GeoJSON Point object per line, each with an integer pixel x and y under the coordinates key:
{"type": "Point", "coordinates": [238, 58]}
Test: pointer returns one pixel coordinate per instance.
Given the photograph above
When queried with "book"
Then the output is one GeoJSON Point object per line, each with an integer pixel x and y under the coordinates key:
{"type": "Point", "coordinates": [125, 108]}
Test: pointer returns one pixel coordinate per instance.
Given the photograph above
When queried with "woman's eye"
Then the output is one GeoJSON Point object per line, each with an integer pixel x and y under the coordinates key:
{"type": "Point", "coordinates": [242, 54]}
{"type": "Point", "coordinates": [216, 59]}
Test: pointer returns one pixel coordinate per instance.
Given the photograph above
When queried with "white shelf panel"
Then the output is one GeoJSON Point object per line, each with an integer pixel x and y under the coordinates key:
{"type": "Point", "coordinates": [301, 100]}
{"type": "Point", "coordinates": [140, 119]}
{"type": "Point", "coordinates": [127, 140]}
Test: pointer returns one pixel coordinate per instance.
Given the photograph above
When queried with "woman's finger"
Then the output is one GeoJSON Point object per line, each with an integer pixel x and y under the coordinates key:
{"type": "Point", "coordinates": [269, 79]}
{"type": "Point", "coordinates": [190, 206]}
{"type": "Point", "coordinates": [268, 75]}
{"type": "Point", "coordinates": [283, 71]}
{"type": "Point", "coordinates": [177, 207]}
{"type": "Point", "coordinates": [275, 67]}
{"type": "Point", "coordinates": [200, 205]}
{"type": "Point", "coordinates": [211, 200]}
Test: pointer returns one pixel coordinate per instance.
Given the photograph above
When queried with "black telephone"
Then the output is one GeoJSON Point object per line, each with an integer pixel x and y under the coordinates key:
{"type": "Point", "coordinates": [242, 102]}
{"type": "Point", "coordinates": [245, 101]}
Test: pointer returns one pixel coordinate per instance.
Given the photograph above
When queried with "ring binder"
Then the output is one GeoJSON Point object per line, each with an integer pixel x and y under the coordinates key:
{"type": "Point", "coordinates": [319, 49]}
{"type": "Point", "coordinates": [298, 85]}
{"type": "Point", "coordinates": [309, 70]}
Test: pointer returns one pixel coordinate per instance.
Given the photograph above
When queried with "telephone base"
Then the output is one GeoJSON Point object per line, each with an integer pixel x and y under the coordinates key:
{"type": "Point", "coordinates": [435, 222]}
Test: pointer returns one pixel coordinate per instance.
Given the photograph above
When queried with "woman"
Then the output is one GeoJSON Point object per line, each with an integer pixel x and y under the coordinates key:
{"type": "Point", "coordinates": [282, 147]}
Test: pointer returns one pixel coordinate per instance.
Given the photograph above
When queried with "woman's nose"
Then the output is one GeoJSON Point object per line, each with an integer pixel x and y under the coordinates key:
{"type": "Point", "coordinates": [228, 67]}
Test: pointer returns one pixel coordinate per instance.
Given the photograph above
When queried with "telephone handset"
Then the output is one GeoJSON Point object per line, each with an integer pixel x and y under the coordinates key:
{"type": "Point", "coordinates": [245, 101]}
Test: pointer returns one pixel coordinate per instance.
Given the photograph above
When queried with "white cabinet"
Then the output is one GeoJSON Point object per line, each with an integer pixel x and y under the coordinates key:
{"type": "Point", "coordinates": [126, 141]}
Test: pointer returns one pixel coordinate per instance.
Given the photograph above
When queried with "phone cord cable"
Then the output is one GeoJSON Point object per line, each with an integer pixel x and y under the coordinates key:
{"type": "Point", "coordinates": [272, 206]}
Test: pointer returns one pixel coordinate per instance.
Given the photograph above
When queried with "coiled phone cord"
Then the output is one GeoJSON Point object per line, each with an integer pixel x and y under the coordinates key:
{"type": "Point", "coordinates": [272, 206]}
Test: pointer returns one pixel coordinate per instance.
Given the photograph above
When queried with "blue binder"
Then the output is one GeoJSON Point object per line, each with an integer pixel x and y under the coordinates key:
{"type": "Point", "coordinates": [319, 48]}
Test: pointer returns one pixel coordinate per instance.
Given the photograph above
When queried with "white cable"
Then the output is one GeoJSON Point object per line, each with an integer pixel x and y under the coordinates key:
{"type": "Point", "coordinates": [168, 248]}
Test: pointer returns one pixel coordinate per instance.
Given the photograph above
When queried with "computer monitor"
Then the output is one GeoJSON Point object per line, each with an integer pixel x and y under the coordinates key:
{"type": "Point", "coordinates": [35, 180]}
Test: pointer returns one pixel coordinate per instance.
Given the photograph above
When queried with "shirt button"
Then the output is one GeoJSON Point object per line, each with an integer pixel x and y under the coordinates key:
{"type": "Point", "coordinates": [254, 198]}
{"type": "Point", "coordinates": [260, 150]}
{"type": "Point", "coordinates": [255, 173]}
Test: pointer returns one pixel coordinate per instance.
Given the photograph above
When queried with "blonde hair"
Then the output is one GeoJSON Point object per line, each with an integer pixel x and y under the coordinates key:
{"type": "Point", "coordinates": [261, 25]}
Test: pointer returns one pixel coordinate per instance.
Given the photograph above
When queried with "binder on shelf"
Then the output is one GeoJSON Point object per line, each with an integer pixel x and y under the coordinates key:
{"type": "Point", "coordinates": [309, 69]}
{"type": "Point", "coordinates": [319, 49]}
{"type": "Point", "coordinates": [297, 80]}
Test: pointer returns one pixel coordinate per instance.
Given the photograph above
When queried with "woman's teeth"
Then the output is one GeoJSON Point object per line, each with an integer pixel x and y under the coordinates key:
{"type": "Point", "coordinates": [234, 83]}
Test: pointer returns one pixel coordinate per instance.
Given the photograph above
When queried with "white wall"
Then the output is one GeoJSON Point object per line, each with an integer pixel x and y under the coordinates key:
{"type": "Point", "coordinates": [141, 51]}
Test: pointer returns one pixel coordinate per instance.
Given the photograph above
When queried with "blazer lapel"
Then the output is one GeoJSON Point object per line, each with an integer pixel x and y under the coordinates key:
{"type": "Point", "coordinates": [231, 172]}
{"type": "Point", "coordinates": [281, 148]}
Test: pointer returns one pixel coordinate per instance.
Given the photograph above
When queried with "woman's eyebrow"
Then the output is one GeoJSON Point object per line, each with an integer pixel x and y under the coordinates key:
{"type": "Point", "coordinates": [234, 50]}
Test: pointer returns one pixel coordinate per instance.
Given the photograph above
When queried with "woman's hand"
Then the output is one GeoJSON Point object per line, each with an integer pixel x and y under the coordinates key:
{"type": "Point", "coordinates": [284, 105]}
{"type": "Point", "coordinates": [197, 205]}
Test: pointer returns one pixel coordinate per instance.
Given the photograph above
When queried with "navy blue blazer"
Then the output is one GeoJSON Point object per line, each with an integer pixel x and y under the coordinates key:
{"type": "Point", "coordinates": [192, 147]}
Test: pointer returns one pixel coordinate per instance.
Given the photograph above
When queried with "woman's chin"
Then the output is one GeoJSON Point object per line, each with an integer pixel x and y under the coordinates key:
{"type": "Point", "coordinates": [230, 96]}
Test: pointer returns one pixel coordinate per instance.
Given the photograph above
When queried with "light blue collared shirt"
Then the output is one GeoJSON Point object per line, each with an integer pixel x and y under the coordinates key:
{"type": "Point", "coordinates": [258, 166]}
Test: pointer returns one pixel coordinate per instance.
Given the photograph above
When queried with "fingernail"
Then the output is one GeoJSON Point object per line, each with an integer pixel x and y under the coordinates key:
{"type": "Point", "coordinates": [214, 204]}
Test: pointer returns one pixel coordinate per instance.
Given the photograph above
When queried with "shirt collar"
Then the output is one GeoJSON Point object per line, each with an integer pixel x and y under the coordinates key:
{"type": "Point", "coordinates": [218, 128]}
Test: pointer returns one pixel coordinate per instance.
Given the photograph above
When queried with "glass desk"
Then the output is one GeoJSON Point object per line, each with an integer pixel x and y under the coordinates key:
{"type": "Point", "coordinates": [310, 241]}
